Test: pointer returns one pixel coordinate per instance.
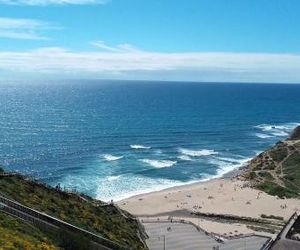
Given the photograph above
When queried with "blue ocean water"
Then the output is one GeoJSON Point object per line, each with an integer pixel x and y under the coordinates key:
{"type": "Point", "coordinates": [115, 139]}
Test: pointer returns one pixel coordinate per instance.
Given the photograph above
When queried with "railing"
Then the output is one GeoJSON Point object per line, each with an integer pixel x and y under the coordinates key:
{"type": "Point", "coordinates": [267, 245]}
{"type": "Point", "coordinates": [282, 232]}
{"type": "Point", "coordinates": [34, 216]}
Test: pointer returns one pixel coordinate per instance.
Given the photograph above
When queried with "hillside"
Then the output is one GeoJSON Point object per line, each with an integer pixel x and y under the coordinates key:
{"type": "Point", "coordinates": [79, 210]}
{"type": "Point", "coordinates": [16, 234]}
{"type": "Point", "coordinates": [277, 170]}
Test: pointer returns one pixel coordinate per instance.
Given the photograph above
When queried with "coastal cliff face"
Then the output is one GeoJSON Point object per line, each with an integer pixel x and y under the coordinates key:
{"type": "Point", "coordinates": [296, 134]}
{"type": "Point", "coordinates": [277, 170]}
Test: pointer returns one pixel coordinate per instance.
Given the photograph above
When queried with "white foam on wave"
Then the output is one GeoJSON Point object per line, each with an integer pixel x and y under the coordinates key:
{"type": "Point", "coordinates": [272, 130]}
{"type": "Point", "coordinates": [159, 163]}
{"type": "Point", "coordinates": [109, 157]}
{"type": "Point", "coordinates": [137, 146]}
{"type": "Point", "coordinates": [130, 185]}
{"type": "Point", "coordinates": [280, 133]}
{"type": "Point", "coordinates": [197, 153]}
{"type": "Point", "coordinates": [263, 136]}
{"type": "Point", "coordinates": [184, 158]}
{"type": "Point", "coordinates": [225, 165]}
{"type": "Point", "coordinates": [113, 177]}
{"type": "Point", "coordinates": [231, 160]}
{"type": "Point", "coordinates": [119, 187]}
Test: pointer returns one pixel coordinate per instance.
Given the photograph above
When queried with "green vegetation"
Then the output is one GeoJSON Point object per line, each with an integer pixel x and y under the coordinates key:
{"type": "Point", "coordinates": [16, 234]}
{"type": "Point", "coordinates": [79, 210]}
{"type": "Point", "coordinates": [277, 170]}
{"type": "Point", "coordinates": [279, 152]}
{"type": "Point", "coordinates": [266, 175]}
{"type": "Point", "coordinates": [274, 189]}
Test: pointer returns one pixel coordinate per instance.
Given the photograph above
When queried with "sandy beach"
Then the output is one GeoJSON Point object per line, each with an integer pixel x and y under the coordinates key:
{"type": "Point", "coordinates": [223, 196]}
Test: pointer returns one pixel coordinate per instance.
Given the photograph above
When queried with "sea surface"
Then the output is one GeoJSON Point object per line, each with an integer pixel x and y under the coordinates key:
{"type": "Point", "coordinates": [112, 139]}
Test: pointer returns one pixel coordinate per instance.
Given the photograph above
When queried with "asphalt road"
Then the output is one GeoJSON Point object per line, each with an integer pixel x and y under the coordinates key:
{"type": "Point", "coordinates": [182, 236]}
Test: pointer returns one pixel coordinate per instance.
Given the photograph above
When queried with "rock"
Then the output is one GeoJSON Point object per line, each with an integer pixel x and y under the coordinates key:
{"type": "Point", "coordinates": [295, 134]}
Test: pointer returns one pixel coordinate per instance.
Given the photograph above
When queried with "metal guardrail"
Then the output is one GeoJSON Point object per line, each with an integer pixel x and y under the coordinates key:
{"type": "Point", "coordinates": [267, 245]}
{"type": "Point", "coordinates": [32, 215]}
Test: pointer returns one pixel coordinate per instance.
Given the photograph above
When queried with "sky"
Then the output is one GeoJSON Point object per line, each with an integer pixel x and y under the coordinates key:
{"type": "Point", "coordinates": [194, 40]}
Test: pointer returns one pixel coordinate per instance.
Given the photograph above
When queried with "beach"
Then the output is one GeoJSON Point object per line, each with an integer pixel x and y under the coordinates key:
{"type": "Point", "coordinates": [224, 196]}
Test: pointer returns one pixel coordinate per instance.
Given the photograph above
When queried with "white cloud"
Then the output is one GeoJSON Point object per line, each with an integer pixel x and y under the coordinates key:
{"type": "Point", "coordinates": [120, 48]}
{"type": "Point", "coordinates": [52, 2]}
{"type": "Point", "coordinates": [23, 28]}
{"type": "Point", "coordinates": [258, 67]}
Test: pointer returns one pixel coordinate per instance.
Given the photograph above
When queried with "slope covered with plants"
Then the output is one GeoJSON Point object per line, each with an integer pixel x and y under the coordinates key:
{"type": "Point", "coordinates": [79, 210]}
{"type": "Point", "coordinates": [277, 170]}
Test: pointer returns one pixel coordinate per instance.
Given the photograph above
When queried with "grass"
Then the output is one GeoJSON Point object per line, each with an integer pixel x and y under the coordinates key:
{"type": "Point", "coordinates": [279, 152]}
{"type": "Point", "coordinates": [277, 190]}
{"type": "Point", "coordinates": [83, 212]}
{"type": "Point", "coordinates": [16, 234]}
{"type": "Point", "coordinates": [277, 170]}
{"type": "Point", "coordinates": [266, 175]}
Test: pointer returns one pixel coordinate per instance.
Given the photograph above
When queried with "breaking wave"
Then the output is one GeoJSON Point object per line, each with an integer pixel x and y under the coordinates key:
{"type": "Point", "coordinates": [225, 165]}
{"type": "Point", "coordinates": [263, 136]}
{"type": "Point", "coordinates": [272, 130]}
{"type": "Point", "coordinates": [159, 163]}
{"type": "Point", "coordinates": [137, 146]}
{"type": "Point", "coordinates": [184, 158]}
{"type": "Point", "coordinates": [109, 157]}
{"type": "Point", "coordinates": [197, 153]}
{"type": "Point", "coordinates": [113, 177]}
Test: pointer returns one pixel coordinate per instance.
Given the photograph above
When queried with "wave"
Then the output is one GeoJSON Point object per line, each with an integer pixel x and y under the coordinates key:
{"type": "Point", "coordinates": [113, 177]}
{"type": "Point", "coordinates": [109, 157]}
{"type": "Point", "coordinates": [231, 160]}
{"type": "Point", "coordinates": [225, 165]}
{"type": "Point", "coordinates": [263, 136]}
{"type": "Point", "coordinates": [130, 185]}
{"type": "Point", "coordinates": [159, 163]}
{"type": "Point", "coordinates": [137, 146]}
{"type": "Point", "coordinates": [184, 158]}
{"type": "Point", "coordinates": [197, 153]}
{"type": "Point", "coordinates": [118, 187]}
{"type": "Point", "coordinates": [272, 130]}
{"type": "Point", "coordinates": [287, 126]}
{"type": "Point", "coordinates": [280, 133]}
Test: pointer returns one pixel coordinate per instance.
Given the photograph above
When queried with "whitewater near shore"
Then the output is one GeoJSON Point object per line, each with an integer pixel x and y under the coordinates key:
{"type": "Point", "coordinates": [223, 196]}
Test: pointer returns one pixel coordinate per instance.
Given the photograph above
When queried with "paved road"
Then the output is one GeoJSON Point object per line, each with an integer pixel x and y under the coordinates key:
{"type": "Point", "coordinates": [187, 237]}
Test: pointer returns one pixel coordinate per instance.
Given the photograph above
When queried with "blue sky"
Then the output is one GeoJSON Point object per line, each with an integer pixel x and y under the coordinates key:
{"type": "Point", "coordinates": [198, 40]}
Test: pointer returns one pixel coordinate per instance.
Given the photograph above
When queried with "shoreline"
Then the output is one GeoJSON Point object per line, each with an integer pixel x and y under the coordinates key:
{"type": "Point", "coordinates": [204, 203]}
{"type": "Point", "coordinates": [228, 175]}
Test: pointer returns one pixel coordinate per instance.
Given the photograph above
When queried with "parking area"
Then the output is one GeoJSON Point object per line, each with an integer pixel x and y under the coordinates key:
{"type": "Point", "coordinates": [181, 236]}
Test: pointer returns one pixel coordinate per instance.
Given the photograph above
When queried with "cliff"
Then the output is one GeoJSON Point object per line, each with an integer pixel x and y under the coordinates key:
{"type": "Point", "coordinates": [277, 170]}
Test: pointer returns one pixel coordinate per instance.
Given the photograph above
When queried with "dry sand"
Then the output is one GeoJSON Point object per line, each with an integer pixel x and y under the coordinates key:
{"type": "Point", "coordinates": [218, 196]}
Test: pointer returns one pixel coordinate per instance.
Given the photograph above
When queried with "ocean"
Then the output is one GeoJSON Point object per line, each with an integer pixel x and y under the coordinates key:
{"type": "Point", "coordinates": [115, 139]}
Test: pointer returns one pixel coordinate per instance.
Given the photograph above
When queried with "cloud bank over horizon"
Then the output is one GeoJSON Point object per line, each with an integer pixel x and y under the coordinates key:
{"type": "Point", "coordinates": [126, 63]}
{"type": "Point", "coordinates": [150, 40]}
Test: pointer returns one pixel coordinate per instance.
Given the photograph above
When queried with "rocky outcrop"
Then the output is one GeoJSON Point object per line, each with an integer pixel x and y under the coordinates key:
{"type": "Point", "coordinates": [295, 134]}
